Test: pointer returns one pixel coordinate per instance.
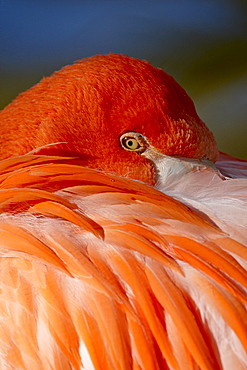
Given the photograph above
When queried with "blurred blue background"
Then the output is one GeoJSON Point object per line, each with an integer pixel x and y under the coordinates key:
{"type": "Point", "coordinates": [202, 44]}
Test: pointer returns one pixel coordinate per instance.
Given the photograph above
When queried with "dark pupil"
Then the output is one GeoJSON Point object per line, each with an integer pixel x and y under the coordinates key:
{"type": "Point", "coordinates": [130, 143]}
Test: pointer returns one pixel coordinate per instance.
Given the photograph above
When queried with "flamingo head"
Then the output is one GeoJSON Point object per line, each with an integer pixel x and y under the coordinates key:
{"type": "Point", "coordinates": [114, 112]}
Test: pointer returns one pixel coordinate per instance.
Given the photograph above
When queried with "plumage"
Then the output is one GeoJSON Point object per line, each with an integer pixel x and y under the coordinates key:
{"type": "Point", "coordinates": [123, 246]}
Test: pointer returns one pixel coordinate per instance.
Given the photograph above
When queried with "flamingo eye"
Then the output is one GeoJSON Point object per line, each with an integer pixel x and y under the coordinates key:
{"type": "Point", "coordinates": [133, 141]}
{"type": "Point", "coordinates": [130, 143]}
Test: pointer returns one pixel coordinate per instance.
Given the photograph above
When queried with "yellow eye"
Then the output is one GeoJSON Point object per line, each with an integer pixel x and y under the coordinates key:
{"type": "Point", "coordinates": [133, 141]}
{"type": "Point", "coordinates": [130, 143]}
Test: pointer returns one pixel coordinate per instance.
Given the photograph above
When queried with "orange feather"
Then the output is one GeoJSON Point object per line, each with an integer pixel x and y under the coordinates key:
{"type": "Point", "coordinates": [100, 271]}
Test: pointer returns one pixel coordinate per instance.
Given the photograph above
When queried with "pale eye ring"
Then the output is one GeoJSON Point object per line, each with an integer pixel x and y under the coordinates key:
{"type": "Point", "coordinates": [134, 142]}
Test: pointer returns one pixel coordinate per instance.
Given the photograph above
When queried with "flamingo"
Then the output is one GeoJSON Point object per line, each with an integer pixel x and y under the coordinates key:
{"type": "Point", "coordinates": [122, 228]}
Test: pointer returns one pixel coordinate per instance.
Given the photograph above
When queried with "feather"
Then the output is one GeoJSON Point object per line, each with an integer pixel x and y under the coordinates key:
{"type": "Point", "coordinates": [72, 277]}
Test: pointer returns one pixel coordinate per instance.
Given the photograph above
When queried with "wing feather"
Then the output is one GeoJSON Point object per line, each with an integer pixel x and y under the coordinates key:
{"type": "Point", "coordinates": [102, 272]}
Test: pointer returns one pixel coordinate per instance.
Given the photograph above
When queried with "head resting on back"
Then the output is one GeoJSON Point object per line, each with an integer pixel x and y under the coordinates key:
{"type": "Point", "coordinates": [89, 105]}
